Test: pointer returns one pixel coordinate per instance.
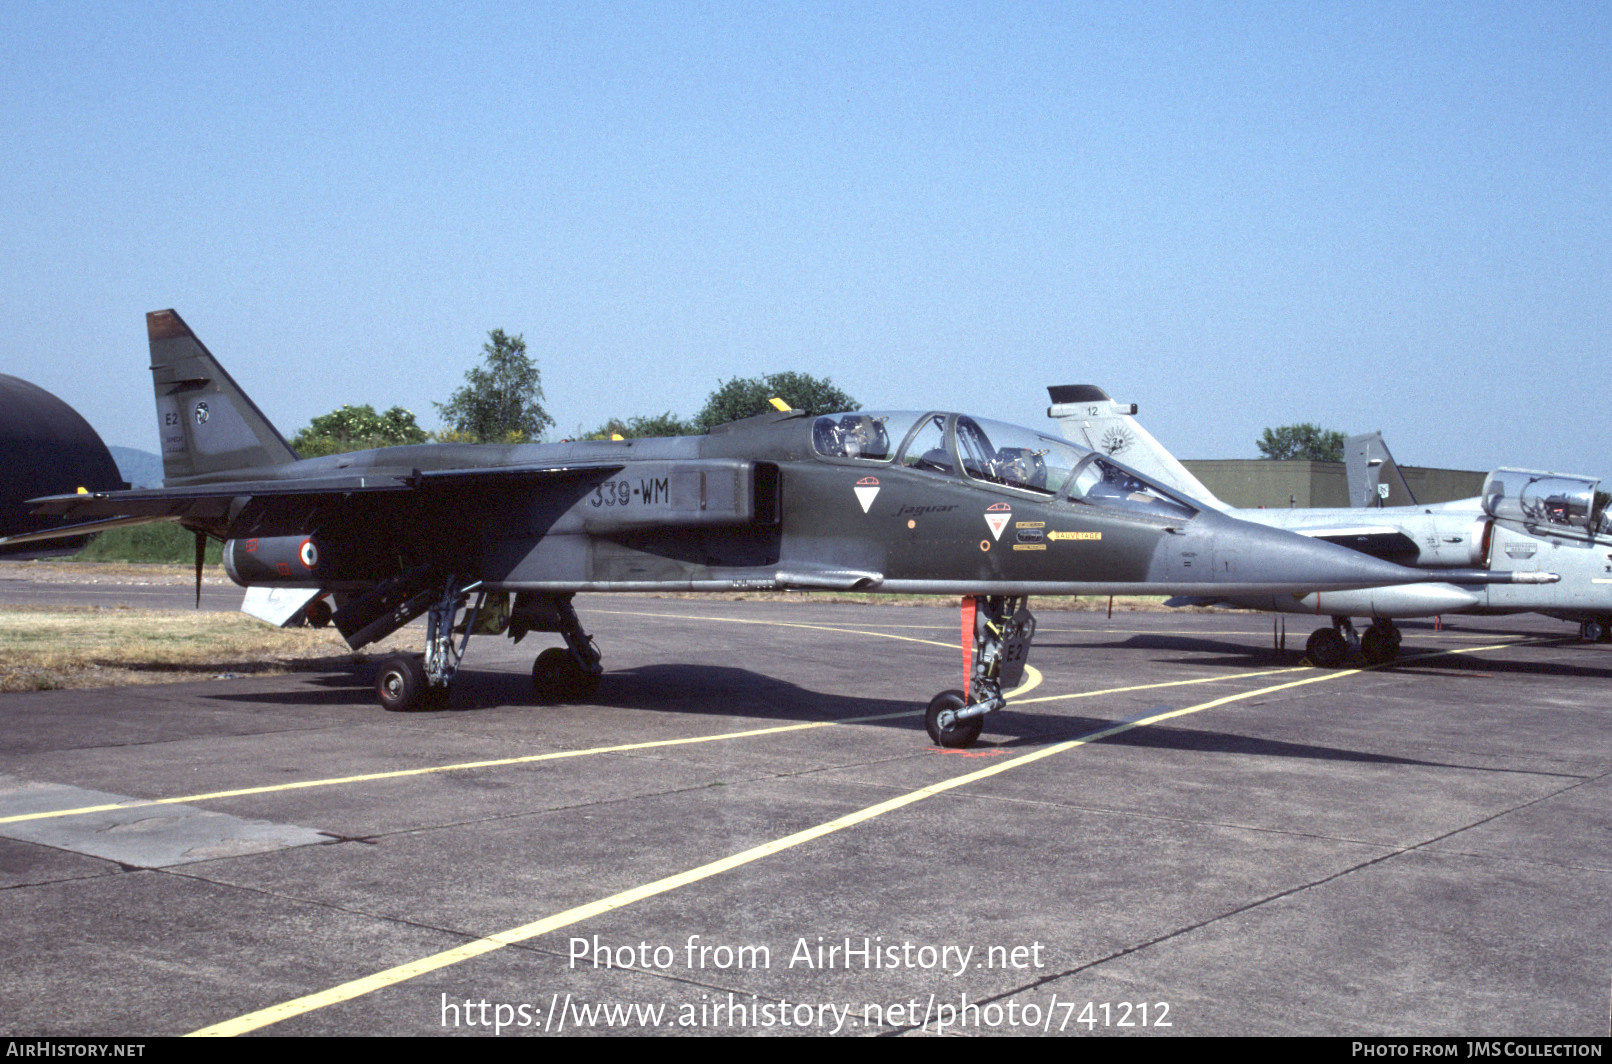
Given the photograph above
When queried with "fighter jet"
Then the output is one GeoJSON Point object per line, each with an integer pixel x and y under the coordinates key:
{"type": "Point", "coordinates": [498, 539]}
{"type": "Point", "coordinates": [1548, 531]}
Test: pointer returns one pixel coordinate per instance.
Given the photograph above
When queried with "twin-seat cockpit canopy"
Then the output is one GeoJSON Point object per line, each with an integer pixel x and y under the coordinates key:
{"type": "Point", "coordinates": [1533, 498]}
{"type": "Point", "coordinates": [992, 452]}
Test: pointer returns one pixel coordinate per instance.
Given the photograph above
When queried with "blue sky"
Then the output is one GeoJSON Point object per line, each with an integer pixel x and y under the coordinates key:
{"type": "Point", "coordinates": [1235, 215]}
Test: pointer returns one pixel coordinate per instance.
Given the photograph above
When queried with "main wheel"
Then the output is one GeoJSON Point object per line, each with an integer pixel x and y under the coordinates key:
{"type": "Point", "coordinates": [1327, 648]}
{"type": "Point", "coordinates": [401, 685]}
{"type": "Point", "coordinates": [556, 677]}
{"type": "Point", "coordinates": [1378, 646]}
{"type": "Point", "coordinates": [1591, 631]}
{"type": "Point", "coordinates": [959, 733]}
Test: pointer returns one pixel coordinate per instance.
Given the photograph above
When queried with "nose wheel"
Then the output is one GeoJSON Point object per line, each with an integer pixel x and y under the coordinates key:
{"type": "Point", "coordinates": [940, 720]}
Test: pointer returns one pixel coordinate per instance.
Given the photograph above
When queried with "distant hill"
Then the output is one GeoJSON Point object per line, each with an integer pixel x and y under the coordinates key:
{"type": "Point", "coordinates": [141, 469]}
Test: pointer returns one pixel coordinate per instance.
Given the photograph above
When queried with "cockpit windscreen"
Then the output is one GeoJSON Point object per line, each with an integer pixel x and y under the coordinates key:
{"type": "Point", "coordinates": [1103, 483]}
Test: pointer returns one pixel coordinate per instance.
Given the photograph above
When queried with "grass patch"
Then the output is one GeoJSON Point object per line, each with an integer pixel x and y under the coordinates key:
{"type": "Point", "coordinates": [53, 647]}
{"type": "Point", "coordinates": [161, 541]}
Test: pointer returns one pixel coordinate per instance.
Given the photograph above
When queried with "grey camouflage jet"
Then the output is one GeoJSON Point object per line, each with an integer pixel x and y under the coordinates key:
{"type": "Point", "coordinates": [1547, 534]}
{"type": "Point", "coordinates": [498, 539]}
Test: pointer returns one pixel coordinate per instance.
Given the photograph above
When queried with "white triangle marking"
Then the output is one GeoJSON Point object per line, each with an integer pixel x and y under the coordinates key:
{"type": "Point", "coordinates": [866, 495]}
{"type": "Point", "coordinates": [997, 522]}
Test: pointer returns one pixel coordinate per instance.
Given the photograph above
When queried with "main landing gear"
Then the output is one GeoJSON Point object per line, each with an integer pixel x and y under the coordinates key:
{"type": "Point", "coordinates": [997, 631]}
{"type": "Point", "coordinates": [1596, 631]}
{"type": "Point", "coordinates": [560, 674]}
{"type": "Point", "coordinates": [1329, 647]}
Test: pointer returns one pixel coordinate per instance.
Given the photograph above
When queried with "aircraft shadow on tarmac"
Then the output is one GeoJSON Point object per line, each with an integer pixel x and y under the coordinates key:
{"type": "Point", "coordinates": [1495, 664]}
{"type": "Point", "coordinates": [1217, 653]}
{"type": "Point", "coordinates": [694, 690]}
{"type": "Point", "coordinates": [1230, 654]}
{"type": "Point", "coordinates": [1171, 736]}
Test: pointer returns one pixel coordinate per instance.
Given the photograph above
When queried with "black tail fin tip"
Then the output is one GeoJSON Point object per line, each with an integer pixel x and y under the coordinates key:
{"type": "Point", "coordinates": [1076, 393]}
{"type": "Point", "coordinates": [208, 425]}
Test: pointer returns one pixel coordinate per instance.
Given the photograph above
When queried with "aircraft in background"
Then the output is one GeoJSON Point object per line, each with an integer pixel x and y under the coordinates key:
{"type": "Point", "coordinates": [1527, 524]}
{"type": "Point", "coordinates": [499, 538]}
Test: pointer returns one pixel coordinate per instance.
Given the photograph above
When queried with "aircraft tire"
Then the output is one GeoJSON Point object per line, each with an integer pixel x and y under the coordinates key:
{"type": "Point", "coordinates": [958, 735]}
{"type": "Point", "coordinates": [400, 685]}
{"type": "Point", "coordinates": [1377, 646]}
{"type": "Point", "coordinates": [556, 677]}
{"type": "Point", "coordinates": [1326, 649]}
{"type": "Point", "coordinates": [1592, 632]}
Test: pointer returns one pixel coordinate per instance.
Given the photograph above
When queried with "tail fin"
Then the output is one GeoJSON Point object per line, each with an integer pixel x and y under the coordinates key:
{"type": "Point", "coordinates": [1089, 418]}
{"type": "Point", "coordinates": [207, 423]}
{"type": "Point", "coordinates": [1374, 478]}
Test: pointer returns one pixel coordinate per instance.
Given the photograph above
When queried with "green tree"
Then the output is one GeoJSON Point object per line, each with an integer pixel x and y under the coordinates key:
{"type": "Point", "coordinates": [667, 424]}
{"type": "Point", "coordinates": [1305, 441]}
{"type": "Point", "coordinates": [357, 428]}
{"type": "Point", "coordinates": [744, 397]}
{"type": "Point", "coordinates": [501, 401]}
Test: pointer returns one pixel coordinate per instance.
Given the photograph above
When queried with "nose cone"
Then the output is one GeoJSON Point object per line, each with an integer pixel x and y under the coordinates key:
{"type": "Point", "coordinates": [1238, 557]}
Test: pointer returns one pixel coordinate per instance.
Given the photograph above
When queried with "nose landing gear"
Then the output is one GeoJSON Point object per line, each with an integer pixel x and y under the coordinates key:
{"type": "Point", "coordinates": [997, 632]}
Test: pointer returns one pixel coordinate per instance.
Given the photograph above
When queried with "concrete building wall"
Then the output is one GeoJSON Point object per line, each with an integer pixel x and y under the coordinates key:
{"type": "Point", "coordinates": [1262, 482]}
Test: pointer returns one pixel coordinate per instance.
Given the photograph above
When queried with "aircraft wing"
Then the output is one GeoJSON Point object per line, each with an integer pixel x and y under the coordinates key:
{"type": "Point", "coordinates": [98, 511]}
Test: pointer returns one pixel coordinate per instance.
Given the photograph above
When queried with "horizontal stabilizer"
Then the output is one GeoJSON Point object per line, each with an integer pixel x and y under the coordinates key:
{"type": "Point", "coordinates": [82, 529]}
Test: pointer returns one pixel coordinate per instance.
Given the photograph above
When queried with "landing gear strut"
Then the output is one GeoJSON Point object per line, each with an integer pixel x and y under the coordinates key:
{"type": "Point", "coordinates": [406, 682]}
{"type": "Point", "coordinates": [997, 631]}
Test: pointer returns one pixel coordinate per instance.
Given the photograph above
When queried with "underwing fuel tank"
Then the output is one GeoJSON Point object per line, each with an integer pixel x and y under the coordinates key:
{"type": "Point", "coordinates": [1413, 600]}
{"type": "Point", "coordinates": [279, 561]}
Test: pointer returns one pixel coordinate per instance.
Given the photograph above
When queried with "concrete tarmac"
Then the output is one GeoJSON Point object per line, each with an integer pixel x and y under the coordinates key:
{"type": "Point", "coordinates": [747, 830]}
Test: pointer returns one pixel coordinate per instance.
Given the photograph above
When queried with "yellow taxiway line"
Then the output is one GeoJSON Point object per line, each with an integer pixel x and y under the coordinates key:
{"type": "Point", "coordinates": [1032, 680]}
{"type": "Point", "coordinates": [356, 988]}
